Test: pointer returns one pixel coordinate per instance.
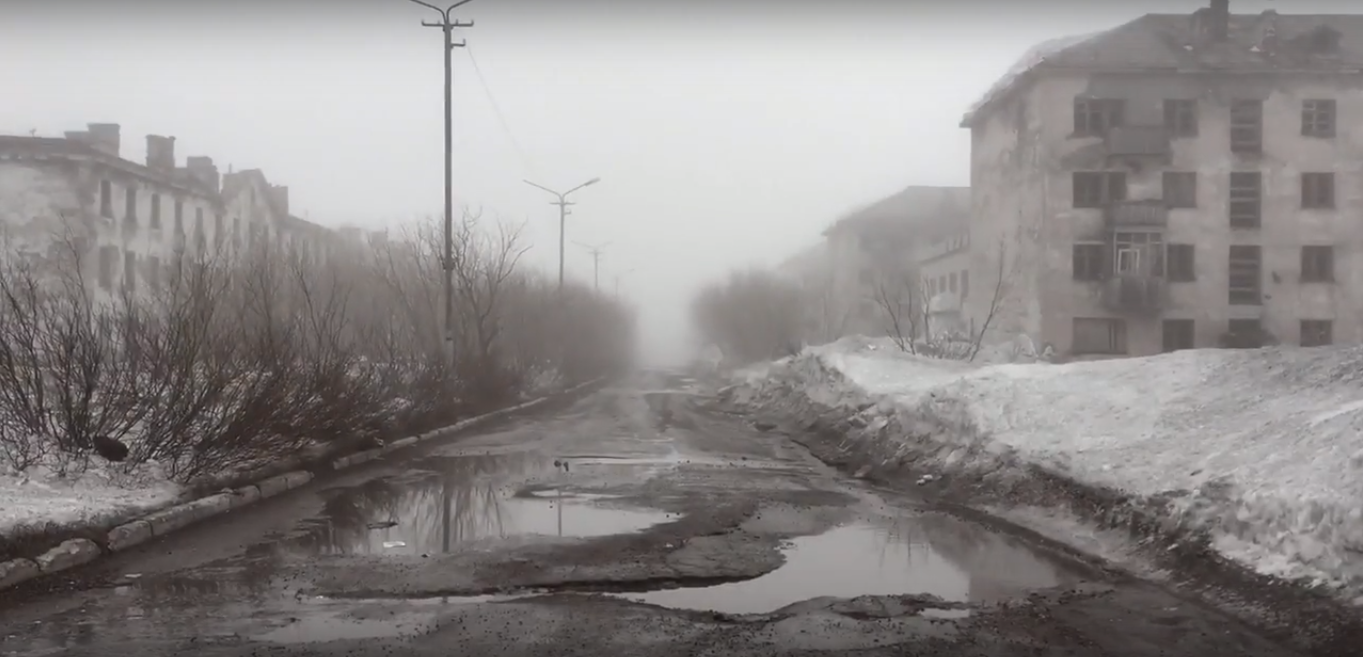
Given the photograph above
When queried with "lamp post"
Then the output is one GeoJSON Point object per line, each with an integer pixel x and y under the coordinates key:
{"type": "Point", "coordinates": [562, 204]}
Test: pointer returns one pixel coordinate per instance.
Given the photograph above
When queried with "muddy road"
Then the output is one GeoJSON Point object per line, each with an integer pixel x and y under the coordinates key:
{"type": "Point", "coordinates": [636, 521]}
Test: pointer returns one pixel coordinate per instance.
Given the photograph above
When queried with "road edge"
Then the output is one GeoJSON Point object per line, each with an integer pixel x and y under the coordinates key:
{"type": "Point", "coordinates": [80, 551]}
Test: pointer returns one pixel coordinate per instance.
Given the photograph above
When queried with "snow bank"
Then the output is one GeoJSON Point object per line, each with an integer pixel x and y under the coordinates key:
{"type": "Point", "coordinates": [1261, 449]}
{"type": "Point", "coordinates": [39, 496]}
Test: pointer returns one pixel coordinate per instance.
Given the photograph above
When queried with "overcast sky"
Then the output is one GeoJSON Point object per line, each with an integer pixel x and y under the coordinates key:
{"type": "Point", "coordinates": [725, 133]}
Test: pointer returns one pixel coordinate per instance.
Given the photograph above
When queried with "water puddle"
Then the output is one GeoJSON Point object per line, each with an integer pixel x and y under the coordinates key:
{"type": "Point", "coordinates": [922, 555]}
{"type": "Point", "coordinates": [459, 500]}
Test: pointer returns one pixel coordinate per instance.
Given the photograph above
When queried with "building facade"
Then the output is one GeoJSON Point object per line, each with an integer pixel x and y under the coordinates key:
{"type": "Point", "coordinates": [74, 201]}
{"type": "Point", "coordinates": [1179, 181]}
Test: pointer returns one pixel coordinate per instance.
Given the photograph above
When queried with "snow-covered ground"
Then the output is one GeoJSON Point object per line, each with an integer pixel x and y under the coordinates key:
{"type": "Point", "coordinates": [1263, 449]}
{"type": "Point", "coordinates": [39, 496]}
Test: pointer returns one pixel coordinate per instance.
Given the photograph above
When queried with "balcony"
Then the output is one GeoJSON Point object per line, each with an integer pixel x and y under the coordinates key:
{"type": "Point", "coordinates": [1137, 214]}
{"type": "Point", "coordinates": [1138, 141]}
{"type": "Point", "coordinates": [1134, 294]}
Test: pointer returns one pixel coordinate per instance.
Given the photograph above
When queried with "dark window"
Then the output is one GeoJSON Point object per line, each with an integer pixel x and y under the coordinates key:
{"type": "Point", "coordinates": [1245, 275]}
{"type": "Point", "coordinates": [1178, 334]}
{"type": "Point", "coordinates": [1180, 117]}
{"type": "Point", "coordinates": [1317, 191]}
{"type": "Point", "coordinates": [1245, 334]}
{"type": "Point", "coordinates": [155, 221]}
{"type": "Point", "coordinates": [130, 206]}
{"type": "Point", "coordinates": [1318, 118]}
{"type": "Point", "coordinates": [154, 272]}
{"type": "Point", "coordinates": [951, 281]}
{"type": "Point", "coordinates": [1098, 335]}
{"type": "Point", "coordinates": [1094, 116]}
{"type": "Point", "coordinates": [1180, 189]}
{"type": "Point", "coordinates": [1246, 199]}
{"type": "Point", "coordinates": [1317, 264]}
{"type": "Point", "coordinates": [179, 217]}
{"type": "Point", "coordinates": [1246, 126]}
{"type": "Point", "coordinates": [1317, 332]}
{"type": "Point", "coordinates": [1138, 253]}
{"type": "Point", "coordinates": [130, 271]}
{"type": "Point", "coordinates": [108, 260]}
{"type": "Point", "coordinates": [965, 283]}
{"type": "Point", "coordinates": [106, 199]}
{"type": "Point", "coordinates": [1096, 189]}
{"type": "Point", "coordinates": [1182, 266]}
{"type": "Point", "coordinates": [1088, 262]}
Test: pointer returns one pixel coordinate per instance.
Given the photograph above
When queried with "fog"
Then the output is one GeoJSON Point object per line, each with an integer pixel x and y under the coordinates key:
{"type": "Point", "coordinates": [724, 133]}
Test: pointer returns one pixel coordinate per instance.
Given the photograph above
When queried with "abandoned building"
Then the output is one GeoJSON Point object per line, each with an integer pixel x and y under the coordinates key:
{"type": "Point", "coordinates": [75, 200]}
{"type": "Point", "coordinates": [1178, 181]}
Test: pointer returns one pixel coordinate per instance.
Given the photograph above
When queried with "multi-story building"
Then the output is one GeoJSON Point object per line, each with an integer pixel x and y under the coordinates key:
{"type": "Point", "coordinates": [74, 201]}
{"type": "Point", "coordinates": [1178, 181]}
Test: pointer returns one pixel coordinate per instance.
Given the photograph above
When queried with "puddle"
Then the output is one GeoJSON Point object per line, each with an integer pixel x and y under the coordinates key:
{"type": "Point", "coordinates": [923, 555]}
{"type": "Point", "coordinates": [462, 499]}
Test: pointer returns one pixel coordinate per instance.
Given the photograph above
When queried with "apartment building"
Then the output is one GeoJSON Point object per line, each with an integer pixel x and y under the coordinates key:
{"type": "Point", "coordinates": [75, 201]}
{"type": "Point", "coordinates": [1178, 181]}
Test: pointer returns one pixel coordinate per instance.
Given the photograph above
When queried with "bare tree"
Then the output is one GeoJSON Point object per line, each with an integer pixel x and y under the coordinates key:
{"type": "Point", "coordinates": [996, 298]}
{"type": "Point", "coordinates": [904, 306]}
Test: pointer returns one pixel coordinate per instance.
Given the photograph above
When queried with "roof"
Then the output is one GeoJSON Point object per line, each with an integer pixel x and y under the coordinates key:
{"type": "Point", "coordinates": [1255, 43]}
{"type": "Point", "coordinates": [913, 208]}
{"type": "Point", "coordinates": [11, 145]}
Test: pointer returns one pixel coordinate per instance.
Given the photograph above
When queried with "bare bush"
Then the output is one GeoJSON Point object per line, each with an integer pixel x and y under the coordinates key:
{"type": "Point", "coordinates": [754, 315]}
{"type": "Point", "coordinates": [905, 308]}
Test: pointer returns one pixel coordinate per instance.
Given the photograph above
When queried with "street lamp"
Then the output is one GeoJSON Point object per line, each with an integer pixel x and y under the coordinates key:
{"type": "Point", "coordinates": [562, 204]}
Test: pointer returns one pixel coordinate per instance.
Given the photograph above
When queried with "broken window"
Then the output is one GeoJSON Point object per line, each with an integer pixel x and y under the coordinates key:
{"type": "Point", "coordinates": [106, 199]}
{"type": "Point", "coordinates": [1098, 335]}
{"type": "Point", "coordinates": [1247, 126]}
{"type": "Point", "coordinates": [130, 206]}
{"type": "Point", "coordinates": [1246, 194]}
{"type": "Point", "coordinates": [1317, 191]}
{"type": "Point", "coordinates": [1178, 334]}
{"type": "Point", "coordinates": [1317, 264]}
{"type": "Point", "coordinates": [1318, 118]}
{"type": "Point", "coordinates": [1245, 285]}
{"type": "Point", "coordinates": [1096, 189]}
{"type": "Point", "coordinates": [1317, 332]}
{"type": "Point", "coordinates": [1180, 189]}
{"type": "Point", "coordinates": [130, 271]}
{"type": "Point", "coordinates": [1180, 117]}
{"type": "Point", "coordinates": [155, 220]}
{"type": "Point", "coordinates": [1094, 116]}
{"type": "Point", "coordinates": [1139, 253]}
{"type": "Point", "coordinates": [1182, 263]}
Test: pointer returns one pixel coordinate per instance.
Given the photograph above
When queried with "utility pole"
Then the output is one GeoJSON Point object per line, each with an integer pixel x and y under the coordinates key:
{"type": "Point", "coordinates": [596, 252]}
{"type": "Point", "coordinates": [562, 204]}
{"type": "Point", "coordinates": [447, 26]}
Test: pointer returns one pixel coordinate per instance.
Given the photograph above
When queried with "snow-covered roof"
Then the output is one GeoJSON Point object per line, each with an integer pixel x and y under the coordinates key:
{"type": "Point", "coordinates": [1029, 60]}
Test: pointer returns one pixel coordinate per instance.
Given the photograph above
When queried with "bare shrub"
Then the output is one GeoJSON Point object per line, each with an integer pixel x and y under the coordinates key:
{"type": "Point", "coordinates": [753, 316]}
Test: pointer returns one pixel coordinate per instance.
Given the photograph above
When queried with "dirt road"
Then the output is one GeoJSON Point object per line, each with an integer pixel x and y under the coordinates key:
{"type": "Point", "coordinates": [638, 521]}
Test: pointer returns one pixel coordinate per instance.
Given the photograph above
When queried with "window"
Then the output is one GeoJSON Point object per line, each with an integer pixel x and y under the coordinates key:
{"type": "Point", "coordinates": [1182, 264]}
{"type": "Point", "coordinates": [179, 217]}
{"type": "Point", "coordinates": [951, 282]}
{"type": "Point", "coordinates": [1245, 275]}
{"type": "Point", "coordinates": [1095, 335]}
{"type": "Point", "coordinates": [1139, 253]}
{"type": "Point", "coordinates": [130, 271]}
{"type": "Point", "coordinates": [130, 206]}
{"type": "Point", "coordinates": [1317, 332]}
{"type": "Point", "coordinates": [1245, 334]}
{"type": "Point", "coordinates": [1246, 195]}
{"type": "Point", "coordinates": [1180, 189]}
{"type": "Point", "coordinates": [200, 240]}
{"type": "Point", "coordinates": [1247, 126]}
{"type": "Point", "coordinates": [154, 272]}
{"type": "Point", "coordinates": [1317, 191]}
{"type": "Point", "coordinates": [155, 221]}
{"type": "Point", "coordinates": [1180, 117]}
{"type": "Point", "coordinates": [1317, 264]}
{"type": "Point", "coordinates": [1096, 189]}
{"type": "Point", "coordinates": [1318, 118]}
{"type": "Point", "coordinates": [1178, 334]}
{"type": "Point", "coordinates": [965, 283]}
{"type": "Point", "coordinates": [108, 259]}
{"type": "Point", "coordinates": [1094, 116]}
{"type": "Point", "coordinates": [106, 199]}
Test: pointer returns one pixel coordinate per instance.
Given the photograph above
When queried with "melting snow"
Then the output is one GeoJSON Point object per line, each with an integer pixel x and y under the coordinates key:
{"type": "Point", "coordinates": [39, 495]}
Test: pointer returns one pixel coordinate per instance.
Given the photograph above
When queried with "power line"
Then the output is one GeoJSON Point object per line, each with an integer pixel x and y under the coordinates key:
{"type": "Point", "coordinates": [501, 116]}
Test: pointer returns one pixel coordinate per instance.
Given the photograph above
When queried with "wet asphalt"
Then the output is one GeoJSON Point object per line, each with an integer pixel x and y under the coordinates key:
{"type": "Point", "coordinates": [638, 520]}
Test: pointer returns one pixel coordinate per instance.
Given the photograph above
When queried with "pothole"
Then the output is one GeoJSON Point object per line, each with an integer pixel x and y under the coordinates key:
{"type": "Point", "coordinates": [878, 560]}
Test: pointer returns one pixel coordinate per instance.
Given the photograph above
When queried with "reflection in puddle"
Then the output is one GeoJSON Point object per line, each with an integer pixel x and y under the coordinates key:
{"type": "Point", "coordinates": [463, 499]}
{"type": "Point", "coordinates": [925, 556]}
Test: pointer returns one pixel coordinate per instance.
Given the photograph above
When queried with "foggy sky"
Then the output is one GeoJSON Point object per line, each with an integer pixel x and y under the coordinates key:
{"type": "Point", "coordinates": [725, 134]}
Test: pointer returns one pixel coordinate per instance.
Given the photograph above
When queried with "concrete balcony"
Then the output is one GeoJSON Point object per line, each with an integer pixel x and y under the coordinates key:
{"type": "Point", "coordinates": [1138, 141]}
{"type": "Point", "coordinates": [1135, 294]}
{"type": "Point", "coordinates": [1137, 214]}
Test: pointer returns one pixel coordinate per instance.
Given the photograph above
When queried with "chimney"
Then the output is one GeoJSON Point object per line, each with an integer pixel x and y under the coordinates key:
{"type": "Point", "coordinates": [279, 196]}
{"type": "Point", "coordinates": [204, 171]}
{"type": "Point", "coordinates": [161, 152]}
{"type": "Point", "coordinates": [1218, 27]}
{"type": "Point", "coordinates": [104, 137]}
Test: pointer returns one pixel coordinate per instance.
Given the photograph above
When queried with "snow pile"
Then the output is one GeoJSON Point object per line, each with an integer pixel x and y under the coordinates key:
{"type": "Point", "coordinates": [1261, 449]}
{"type": "Point", "coordinates": [40, 495]}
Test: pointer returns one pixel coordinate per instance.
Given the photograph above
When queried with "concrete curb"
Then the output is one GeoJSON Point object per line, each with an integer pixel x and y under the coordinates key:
{"type": "Point", "coordinates": [79, 551]}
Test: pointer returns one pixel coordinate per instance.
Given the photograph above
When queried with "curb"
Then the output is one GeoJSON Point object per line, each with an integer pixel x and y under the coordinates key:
{"type": "Point", "coordinates": [80, 551]}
